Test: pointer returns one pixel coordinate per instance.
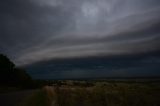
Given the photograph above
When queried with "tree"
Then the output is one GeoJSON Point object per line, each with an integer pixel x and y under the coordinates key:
{"type": "Point", "coordinates": [10, 75]}
{"type": "Point", "coordinates": [6, 70]}
{"type": "Point", "coordinates": [21, 78]}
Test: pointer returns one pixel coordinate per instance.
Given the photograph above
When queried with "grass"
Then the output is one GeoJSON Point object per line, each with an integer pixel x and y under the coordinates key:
{"type": "Point", "coordinates": [110, 94]}
{"type": "Point", "coordinates": [40, 98]}
{"type": "Point", "coordinates": [101, 94]}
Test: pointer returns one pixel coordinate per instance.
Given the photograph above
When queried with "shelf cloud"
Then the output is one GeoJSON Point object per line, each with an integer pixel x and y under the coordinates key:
{"type": "Point", "coordinates": [38, 30]}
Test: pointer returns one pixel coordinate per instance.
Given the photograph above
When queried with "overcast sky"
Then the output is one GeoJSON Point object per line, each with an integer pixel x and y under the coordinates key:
{"type": "Point", "coordinates": [38, 30]}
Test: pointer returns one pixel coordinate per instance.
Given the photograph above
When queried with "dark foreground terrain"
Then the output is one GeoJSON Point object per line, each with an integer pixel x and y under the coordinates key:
{"type": "Point", "coordinates": [88, 93]}
{"type": "Point", "coordinates": [15, 98]}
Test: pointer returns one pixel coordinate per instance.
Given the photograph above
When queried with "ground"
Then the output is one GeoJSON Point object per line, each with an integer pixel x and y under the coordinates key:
{"type": "Point", "coordinates": [88, 93]}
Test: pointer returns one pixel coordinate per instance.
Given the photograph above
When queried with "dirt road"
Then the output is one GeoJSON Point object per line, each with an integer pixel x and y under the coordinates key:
{"type": "Point", "coordinates": [12, 99]}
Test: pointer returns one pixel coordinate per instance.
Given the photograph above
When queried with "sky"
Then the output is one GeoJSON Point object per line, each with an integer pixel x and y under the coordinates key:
{"type": "Point", "coordinates": [32, 31]}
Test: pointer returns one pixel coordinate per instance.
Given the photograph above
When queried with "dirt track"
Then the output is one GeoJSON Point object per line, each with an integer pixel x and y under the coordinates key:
{"type": "Point", "coordinates": [12, 99]}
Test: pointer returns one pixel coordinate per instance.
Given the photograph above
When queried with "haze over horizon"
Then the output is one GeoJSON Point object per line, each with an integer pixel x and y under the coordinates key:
{"type": "Point", "coordinates": [34, 31]}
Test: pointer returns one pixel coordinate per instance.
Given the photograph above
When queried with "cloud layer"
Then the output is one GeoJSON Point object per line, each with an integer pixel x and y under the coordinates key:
{"type": "Point", "coordinates": [38, 30]}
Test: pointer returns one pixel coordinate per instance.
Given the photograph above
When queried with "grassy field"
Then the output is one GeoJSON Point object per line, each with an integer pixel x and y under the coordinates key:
{"type": "Point", "coordinates": [39, 98]}
{"type": "Point", "coordinates": [98, 93]}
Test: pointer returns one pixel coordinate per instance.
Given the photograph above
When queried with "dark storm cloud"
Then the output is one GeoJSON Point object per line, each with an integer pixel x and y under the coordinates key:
{"type": "Point", "coordinates": [24, 23]}
{"type": "Point", "coordinates": [36, 30]}
{"type": "Point", "coordinates": [138, 65]}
